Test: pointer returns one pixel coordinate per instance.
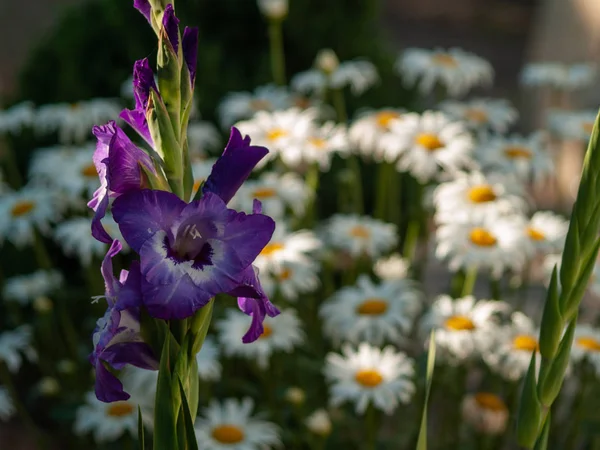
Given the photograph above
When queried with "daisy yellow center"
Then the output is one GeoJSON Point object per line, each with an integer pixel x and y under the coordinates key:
{"type": "Point", "coordinates": [317, 142]}
{"type": "Point", "coordinates": [285, 274]}
{"type": "Point", "coordinates": [588, 127]}
{"type": "Point", "coordinates": [119, 409]}
{"type": "Point", "coordinates": [372, 307]}
{"type": "Point", "coordinates": [360, 232]}
{"type": "Point", "coordinates": [259, 104]}
{"type": "Point", "coordinates": [301, 102]}
{"type": "Point", "coordinates": [384, 118]}
{"type": "Point", "coordinates": [444, 59]}
{"type": "Point", "coordinates": [430, 141]}
{"type": "Point", "coordinates": [271, 248]}
{"type": "Point", "coordinates": [267, 331]}
{"type": "Point", "coordinates": [228, 434]}
{"type": "Point", "coordinates": [197, 185]}
{"type": "Point", "coordinates": [369, 378]}
{"type": "Point", "coordinates": [516, 152]}
{"type": "Point", "coordinates": [482, 238]}
{"type": "Point", "coordinates": [482, 194]}
{"type": "Point", "coordinates": [263, 193]}
{"type": "Point", "coordinates": [276, 133]}
{"type": "Point", "coordinates": [588, 343]}
{"type": "Point", "coordinates": [476, 115]}
{"type": "Point", "coordinates": [75, 106]}
{"type": "Point", "coordinates": [525, 342]}
{"type": "Point", "coordinates": [22, 208]}
{"type": "Point", "coordinates": [459, 323]}
{"type": "Point", "coordinates": [89, 171]}
{"type": "Point", "coordinates": [490, 401]}
{"type": "Point", "coordinates": [535, 234]}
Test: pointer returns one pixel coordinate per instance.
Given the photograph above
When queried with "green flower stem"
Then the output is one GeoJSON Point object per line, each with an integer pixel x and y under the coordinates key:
{"type": "Point", "coordinates": [371, 427]}
{"type": "Point", "coordinates": [469, 281]}
{"type": "Point", "coordinates": [357, 187]}
{"type": "Point", "coordinates": [10, 164]}
{"type": "Point", "coordinates": [312, 181]}
{"type": "Point", "coordinates": [339, 103]}
{"type": "Point", "coordinates": [495, 290]}
{"type": "Point", "coordinates": [578, 407]}
{"type": "Point", "coordinates": [41, 253]}
{"type": "Point", "coordinates": [394, 206]}
{"type": "Point", "coordinates": [277, 52]}
{"type": "Point", "coordinates": [411, 239]}
{"type": "Point", "coordinates": [383, 191]}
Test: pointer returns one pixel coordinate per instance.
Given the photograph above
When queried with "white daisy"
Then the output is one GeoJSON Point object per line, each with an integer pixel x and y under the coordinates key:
{"type": "Point", "coordinates": [456, 70]}
{"type": "Point", "coordinates": [7, 408]}
{"type": "Point", "coordinates": [464, 328]}
{"type": "Point", "coordinates": [482, 113]}
{"type": "Point", "coordinates": [429, 142]}
{"type": "Point", "coordinates": [230, 426]}
{"type": "Point", "coordinates": [273, 9]}
{"type": "Point", "coordinates": [360, 235]}
{"type": "Point", "coordinates": [572, 124]}
{"type": "Point", "coordinates": [546, 232]}
{"type": "Point", "coordinates": [277, 193]}
{"type": "Point", "coordinates": [511, 354]}
{"type": "Point", "coordinates": [74, 122]}
{"type": "Point", "coordinates": [22, 212]}
{"type": "Point", "coordinates": [202, 136]}
{"type": "Point", "coordinates": [109, 421]}
{"type": "Point", "coordinates": [476, 196]}
{"type": "Point", "coordinates": [285, 247]}
{"type": "Point", "coordinates": [527, 157]}
{"type": "Point", "coordinates": [586, 345]}
{"type": "Point", "coordinates": [25, 288]}
{"type": "Point", "coordinates": [319, 423]}
{"type": "Point", "coordinates": [487, 413]}
{"type": "Point", "coordinates": [369, 375]}
{"type": "Point", "coordinates": [375, 313]}
{"type": "Point", "coordinates": [75, 238]}
{"type": "Point", "coordinates": [201, 169]}
{"type": "Point", "coordinates": [17, 117]}
{"type": "Point", "coordinates": [14, 344]}
{"type": "Point", "coordinates": [243, 105]}
{"type": "Point", "coordinates": [138, 382]}
{"type": "Point", "coordinates": [367, 131]}
{"type": "Point", "coordinates": [291, 279]}
{"type": "Point", "coordinates": [494, 243]}
{"type": "Point", "coordinates": [282, 333]}
{"type": "Point", "coordinates": [209, 367]}
{"type": "Point", "coordinates": [392, 267]}
{"type": "Point", "coordinates": [559, 75]}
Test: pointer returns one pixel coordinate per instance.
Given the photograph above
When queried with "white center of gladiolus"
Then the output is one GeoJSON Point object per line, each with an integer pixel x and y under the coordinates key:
{"type": "Point", "coordinates": [444, 59]}
{"type": "Point", "coordinates": [271, 248]}
{"type": "Point", "coordinates": [228, 434]}
{"type": "Point", "coordinates": [535, 234]}
{"type": "Point", "coordinates": [490, 401]}
{"type": "Point", "coordinates": [368, 378]}
{"type": "Point", "coordinates": [359, 231]}
{"type": "Point", "coordinates": [459, 323]}
{"type": "Point", "coordinates": [588, 343]}
{"type": "Point", "coordinates": [429, 141]}
{"type": "Point", "coordinates": [89, 171]}
{"type": "Point", "coordinates": [372, 307]}
{"type": "Point", "coordinates": [525, 342]}
{"type": "Point", "coordinates": [276, 134]}
{"type": "Point", "coordinates": [119, 409]}
{"type": "Point", "coordinates": [482, 194]}
{"type": "Point", "coordinates": [482, 238]}
{"type": "Point", "coordinates": [21, 208]}
{"type": "Point", "coordinates": [516, 152]}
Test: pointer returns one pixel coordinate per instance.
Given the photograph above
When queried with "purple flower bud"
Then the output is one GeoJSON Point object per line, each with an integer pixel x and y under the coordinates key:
{"type": "Point", "coordinates": [189, 45]}
{"type": "Point", "coordinates": [171, 26]}
{"type": "Point", "coordinates": [144, 7]}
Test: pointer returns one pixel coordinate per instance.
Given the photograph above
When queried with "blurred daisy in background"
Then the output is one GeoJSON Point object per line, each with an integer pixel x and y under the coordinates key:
{"type": "Point", "coordinates": [511, 353]}
{"type": "Point", "coordinates": [319, 423]}
{"type": "Point", "coordinates": [14, 119]}
{"type": "Point", "coordinates": [73, 122]}
{"type": "Point", "coordinates": [243, 105]}
{"type": "Point", "coordinates": [273, 9]}
{"type": "Point", "coordinates": [14, 345]}
{"type": "Point", "coordinates": [559, 75]}
{"type": "Point", "coordinates": [429, 142]}
{"type": "Point", "coordinates": [476, 196]}
{"type": "Point", "coordinates": [546, 232]}
{"type": "Point", "coordinates": [586, 346]}
{"type": "Point", "coordinates": [526, 156]}
{"type": "Point", "coordinates": [4, 187]}
{"type": "Point", "coordinates": [572, 124]}
{"type": "Point", "coordinates": [360, 235]}
{"type": "Point", "coordinates": [276, 194]}
{"type": "Point", "coordinates": [494, 243]}
{"type": "Point", "coordinates": [201, 169]}
{"type": "Point", "coordinates": [23, 212]}
{"type": "Point", "coordinates": [456, 70]}
{"type": "Point", "coordinates": [393, 267]}
{"type": "Point", "coordinates": [292, 279]}
{"type": "Point", "coordinates": [202, 137]}
{"type": "Point", "coordinates": [374, 313]}
{"type": "Point", "coordinates": [487, 413]}
{"type": "Point", "coordinates": [367, 131]}
{"type": "Point", "coordinates": [229, 425]}
{"type": "Point", "coordinates": [482, 114]}
{"type": "Point", "coordinates": [209, 367]}
{"type": "Point", "coordinates": [23, 289]}
{"type": "Point", "coordinates": [464, 328]}
{"type": "Point", "coordinates": [282, 334]}
{"type": "Point", "coordinates": [7, 408]}
{"type": "Point", "coordinates": [369, 375]}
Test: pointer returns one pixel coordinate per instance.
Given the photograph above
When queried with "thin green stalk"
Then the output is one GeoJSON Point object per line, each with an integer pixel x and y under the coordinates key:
{"type": "Point", "coordinates": [277, 51]}
{"type": "Point", "coordinates": [394, 197]}
{"type": "Point", "coordinates": [12, 169]}
{"type": "Point", "coordinates": [41, 253]}
{"type": "Point", "coordinates": [339, 103]}
{"type": "Point", "coordinates": [495, 291]}
{"type": "Point", "coordinates": [357, 187]}
{"type": "Point", "coordinates": [371, 427]}
{"type": "Point", "coordinates": [469, 281]}
{"type": "Point", "coordinates": [411, 239]}
{"type": "Point", "coordinates": [312, 181]}
{"type": "Point", "coordinates": [382, 192]}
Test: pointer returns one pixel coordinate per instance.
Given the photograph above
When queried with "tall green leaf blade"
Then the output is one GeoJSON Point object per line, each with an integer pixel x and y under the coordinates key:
{"type": "Point", "coordinates": [422, 441]}
{"type": "Point", "coordinates": [165, 432]}
{"type": "Point", "coordinates": [190, 436]}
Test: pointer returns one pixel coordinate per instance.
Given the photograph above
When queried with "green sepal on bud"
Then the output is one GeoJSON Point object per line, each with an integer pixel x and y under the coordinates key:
{"type": "Point", "coordinates": [185, 422]}
{"type": "Point", "coordinates": [530, 411]}
{"type": "Point", "coordinates": [571, 303]}
{"type": "Point", "coordinates": [169, 79]}
{"type": "Point", "coordinates": [552, 322]}
{"type": "Point", "coordinates": [542, 442]}
{"type": "Point", "coordinates": [552, 380]}
{"type": "Point", "coordinates": [165, 428]}
{"type": "Point", "coordinates": [154, 180]}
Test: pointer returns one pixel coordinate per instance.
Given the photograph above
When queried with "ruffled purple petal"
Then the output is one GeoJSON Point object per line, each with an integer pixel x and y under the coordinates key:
{"type": "Point", "coordinates": [130, 293]}
{"type": "Point", "coordinates": [137, 120]}
{"type": "Point", "coordinates": [171, 26]}
{"type": "Point", "coordinates": [177, 300]}
{"type": "Point", "coordinates": [138, 354]}
{"type": "Point", "coordinates": [99, 201]}
{"type": "Point", "coordinates": [144, 7]}
{"type": "Point", "coordinates": [98, 231]}
{"type": "Point", "coordinates": [111, 285]}
{"type": "Point", "coordinates": [234, 166]}
{"type": "Point", "coordinates": [143, 82]}
{"type": "Point", "coordinates": [140, 214]}
{"type": "Point", "coordinates": [189, 44]}
{"type": "Point", "coordinates": [123, 165]}
{"type": "Point", "coordinates": [107, 386]}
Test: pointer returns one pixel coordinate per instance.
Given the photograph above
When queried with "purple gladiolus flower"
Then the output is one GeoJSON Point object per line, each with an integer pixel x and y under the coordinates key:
{"type": "Point", "coordinates": [144, 7]}
{"type": "Point", "coordinates": [117, 338]}
{"type": "Point", "coordinates": [189, 44]}
{"type": "Point", "coordinates": [143, 82]}
{"type": "Point", "coordinates": [171, 25]}
{"type": "Point", "coordinates": [117, 162]}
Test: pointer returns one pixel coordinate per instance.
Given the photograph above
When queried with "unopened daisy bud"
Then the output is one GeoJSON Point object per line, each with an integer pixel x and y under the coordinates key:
{"type": "Point", "coordinates": [327, 61]}
{"type": "Point", "coordinates": [66, 366]}
{"type": "Point", "coordinates": [273, 9]}
{"type": "Point", "coordinates": [319, 423]}
{"type": "Point", "coordinates": [43, 305]}
{"type": "Point", "coordinates": [48, 387]}
{"type": "Point", "coordinates": [295, 396]}
{"type": "Point", "coordinates": [485, 412]}
{"type": "Point", "coordinates": [393, 267]}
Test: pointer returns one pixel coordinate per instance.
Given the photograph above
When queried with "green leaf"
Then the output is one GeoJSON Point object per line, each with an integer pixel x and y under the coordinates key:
{"type": "Point", "coordinates": [552, 323]}
{"type": "Point", "coordinates": [200, 324]}
{"type": "Point", "coordinates": [528, 422]}
{"type": "Point", "coordinates": [571, 303]}
{"type": "Point", "coordinates": [191, 442]}
{"type": "Point", "coordinates": [141, 429]}
{"type": "Point", "coordinates": [169, 78]}
{"type": "Point", "coordinates": [549, 387]}
{"type": "Point", "coordinates": [422, 441]}
{"type": "Point", "coordinates": [542, 442]}
{"type": "Point", "coordinates": [165, 432]}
